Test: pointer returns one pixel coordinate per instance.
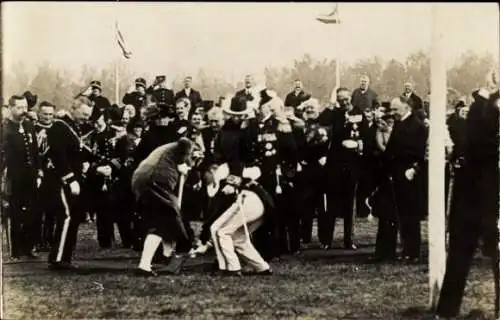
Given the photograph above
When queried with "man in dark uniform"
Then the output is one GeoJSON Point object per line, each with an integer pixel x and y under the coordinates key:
{"type": "Point", "coordinates": [136, 96]}
{"type": "Point", "coordinates": [162, 96]}
{"type": "Point", "coordinates": [313, 151]}
{"type": "Point", "coordinates": [404, 161]}
{"type": "Point", "coordinates": [478, 206]}
{"type": "Point", "coordinates": [295, 98]}
{"type": "Point", "coordinates": [343, 166]}
{"type": "Point", "coordinates": [21, 160]}
{"type": "Point", "coordinates": [102, 106]}
{"type": "Point", "coordinates": [48, 189]}
{"type": "Point", "coordinates": [70, 158]}
{"type": "Point", "coordinates": [101, 178]}
{"type": "Point", "coordinates": [191, 94]}
{"type": "Point", "coordinates": [275, 151]}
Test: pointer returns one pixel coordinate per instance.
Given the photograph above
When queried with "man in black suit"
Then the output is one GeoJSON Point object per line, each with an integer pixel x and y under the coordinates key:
{"type": "Point", "coordinates": [247, 91]}
{"type": "Point", "coordinates": [404, 160]}
{"type": "Point", "coordinates": [296, 97]}
{"type": "Point", "coordinates": [364, 97]}
{"type": "Point", "coordinates": [415, 101]}
{"type": "Point", "coordinates": [188, 92]}
{"type": "Point", "coordinates": [476, 211]}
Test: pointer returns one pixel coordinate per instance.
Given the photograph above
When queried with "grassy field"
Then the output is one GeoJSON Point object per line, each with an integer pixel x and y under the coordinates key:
{"type": "Point", "coordinates": [315, 285]}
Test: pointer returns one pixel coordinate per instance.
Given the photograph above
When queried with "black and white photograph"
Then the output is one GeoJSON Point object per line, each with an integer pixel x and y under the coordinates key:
{"type": "Point", "coordinates": [246, 160]}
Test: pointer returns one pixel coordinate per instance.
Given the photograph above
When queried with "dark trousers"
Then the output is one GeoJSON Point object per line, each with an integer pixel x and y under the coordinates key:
{"type": "Point", "coordinates": [264, 238]}
{"type": "Point", "coordinates": [215, 208]}
{"type": "Point", "coordinates": [24, 216]}
{"type": "Point", "coordinates": [288, 228]}
{"type": "Point", "coordinates": [387, 239]}
{"type": "Point", "coordinates": [310, 196]}
{"type": "Point", "coordinates": [340, 204]}
{"type": "Point", "coordinates": [50, 195]}
{"type": "Point", "coordinates": [365, 188]}
{"type": "Point", "coordinates": [67, 222]}
{"type": "Point", "coordinates": [105, 219]}
{"type": "Point", "coordinates": [48, 227]}
{"type": "Point", "coordinates": [410, 236]}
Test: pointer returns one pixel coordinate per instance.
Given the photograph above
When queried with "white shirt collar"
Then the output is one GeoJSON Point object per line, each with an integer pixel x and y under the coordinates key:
{"type": "Point", "coordinates": [187, 90]}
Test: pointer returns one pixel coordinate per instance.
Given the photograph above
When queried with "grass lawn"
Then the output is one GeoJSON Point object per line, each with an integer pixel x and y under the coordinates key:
{"type": "Point", "coordinates": [316, 285]}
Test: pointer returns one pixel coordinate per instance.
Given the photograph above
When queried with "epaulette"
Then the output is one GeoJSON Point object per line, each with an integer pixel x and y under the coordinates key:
{"type": "Point", "coordinates": [284, 125]}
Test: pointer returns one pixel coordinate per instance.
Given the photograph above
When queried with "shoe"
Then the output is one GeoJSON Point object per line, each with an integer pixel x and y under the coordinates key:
{"type": "Point", "coordinates": [62, 266]}
{"type": "Point", "coordinates": [14, 259]}
{"type": "Point", "coordinates": [32, 255]}
{"type": "Point", "coordinates": [145, 273]}
{"type": "Point", "coordinates": [267, 272]}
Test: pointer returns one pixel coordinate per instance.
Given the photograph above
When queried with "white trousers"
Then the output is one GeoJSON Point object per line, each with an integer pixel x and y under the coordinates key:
{"type": "Point", "coordinates": [229, 237]}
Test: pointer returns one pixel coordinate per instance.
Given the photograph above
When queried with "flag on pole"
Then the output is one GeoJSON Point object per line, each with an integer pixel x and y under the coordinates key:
{"type": "Point", "coordinates": [121, 42]}
{"type": "Point", "coordinates": [332, 17]}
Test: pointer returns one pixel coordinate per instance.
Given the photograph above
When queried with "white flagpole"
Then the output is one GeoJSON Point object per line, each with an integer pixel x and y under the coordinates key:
{"type": "Point", "coordinates": [436, 181]}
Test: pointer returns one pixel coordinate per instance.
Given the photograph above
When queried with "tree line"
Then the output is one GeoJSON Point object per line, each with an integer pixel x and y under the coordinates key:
{"type": "Point", "coordinates": [387, 78]}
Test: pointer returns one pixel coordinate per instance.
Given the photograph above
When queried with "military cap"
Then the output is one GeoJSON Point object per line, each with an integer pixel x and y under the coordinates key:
{"type": "Point", "coordinates": [140, 82]}
{"type": "Point", "coordinates": [96, 84]}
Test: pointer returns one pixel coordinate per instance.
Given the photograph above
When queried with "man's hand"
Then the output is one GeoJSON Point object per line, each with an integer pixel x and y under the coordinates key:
{"type": "Point", "coordinates": [104, 170]}
{"type": "Point", "coordinates": [38, 182]}
{"type": "Point", "coordinates": [197, 186]}
{"type": "Point", "coordinates": [75, 188]}
{"type": "Point", "coordinates": [322, 161]}
{"type": "Point", "coordinates": [85, 167]}
{"type": "Point", "coordinates": [183, 169]}
{"type": "Point", "coordinates": [228, 189]}
{"type": "Point", "coordinates": [410, 174]}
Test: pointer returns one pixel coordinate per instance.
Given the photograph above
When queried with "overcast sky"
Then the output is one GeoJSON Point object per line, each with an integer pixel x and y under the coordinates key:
{"type": "Point", "coordinates": [235, 38]}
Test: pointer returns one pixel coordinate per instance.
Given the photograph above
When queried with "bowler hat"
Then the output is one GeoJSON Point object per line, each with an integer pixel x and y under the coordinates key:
{"type": "Point", "coordinates": [96, 84]}
{"type": "Point", "coordinates": [140, 82]}
{"type": "Point", "coordinates": [238, 106]}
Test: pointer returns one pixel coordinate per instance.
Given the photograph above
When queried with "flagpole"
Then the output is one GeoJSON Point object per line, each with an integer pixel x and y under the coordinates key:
{"type": "Point", "coordinates": [117, 61]}
{"type": "Point", "coordinates": [436, 181]}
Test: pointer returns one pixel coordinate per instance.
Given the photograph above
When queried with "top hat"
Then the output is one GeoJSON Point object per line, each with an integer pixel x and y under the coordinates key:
{"type": "Point", "coordinates": [160, 79]}
{"type": "Point", "coordinates": [238, 106]}
{"type": "Point", "coordinates": [140, 82]}
{"type": "Point", "coordinates": [96, 84]}
{"type": "Point", "coordinates": [30, 98]}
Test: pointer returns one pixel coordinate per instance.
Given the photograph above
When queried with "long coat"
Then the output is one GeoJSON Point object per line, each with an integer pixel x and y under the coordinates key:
{"type": "Point", "coordinates": [155, 182]}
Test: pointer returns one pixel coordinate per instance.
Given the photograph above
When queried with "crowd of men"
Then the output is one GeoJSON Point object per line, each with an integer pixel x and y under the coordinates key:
{"type": "Point", "coordinates": [356, 156]}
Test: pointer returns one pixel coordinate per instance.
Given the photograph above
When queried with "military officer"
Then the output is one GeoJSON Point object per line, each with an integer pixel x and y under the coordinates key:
{"type": "Point", "coordinates": [102, 106]}
{"type": "Point", "coordinates": [162, 96]}
{"type": "Point", "coordinates": [313, 152]}
{"type": "Point", "coordinates": [21, 160]}
{"type": "Point", "coordinates": [101, 179]}
{"type": "Point", "coordinates": [343, 166]}
{"type": "Point", "coordinates": [48, 189]}
{"type": "Point", "coordinates": [275, 150]}
{"type": "Point", "coordinates": [136, 96]}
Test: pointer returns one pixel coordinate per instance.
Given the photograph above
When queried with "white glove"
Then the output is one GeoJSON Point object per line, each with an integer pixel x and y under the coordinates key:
{"type": "Point", "coordinates": [228, 189]}
{"type": "Point", "coordinates": [349, 144]}
{"type": "Point", "coordinates": [104, 170]}
{"type": "Point", "coordinates": [197, 186]}
{"type": "Point", "coordinates": [410, 174]}
{"type": "Point", "coordinates": [299, 167]}
{"type": "Point", "coordinates": [183, 169]}
{"type": "Point", "coordinates": [322, 161]}
{"type": "Point", "coordinates": [75, 188]}
{"type": "Point", "coordinates": [251, 173]}
{"type": "Point", "coordinates": [38, 182]}
{"type": "Point", "coordinates": [85, 167]}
